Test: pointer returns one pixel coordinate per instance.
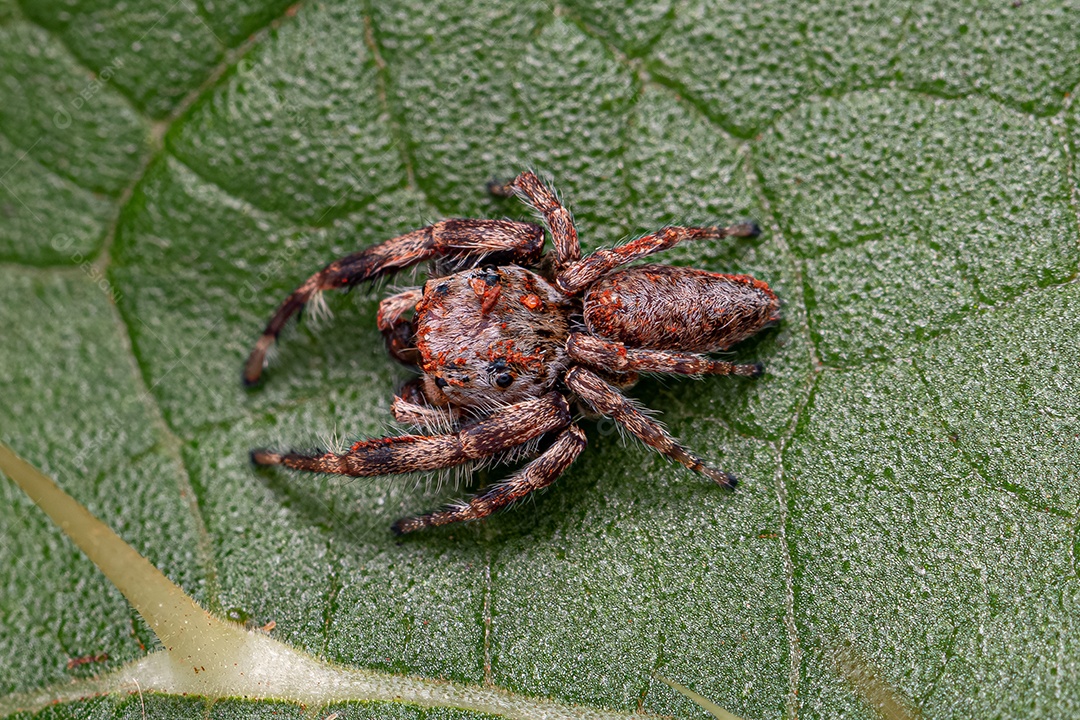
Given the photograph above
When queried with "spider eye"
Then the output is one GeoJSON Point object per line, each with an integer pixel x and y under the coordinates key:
{"type": "Point", "coordinates": [504, 380]}
{"type": "Point", "coordinates": [441, 383]}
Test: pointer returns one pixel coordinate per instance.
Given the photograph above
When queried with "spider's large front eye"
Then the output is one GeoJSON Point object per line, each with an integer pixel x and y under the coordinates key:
{"type": "Point", "coordinates": [441, 382]}
{"type": "Point", "coordinates": [504, 380]}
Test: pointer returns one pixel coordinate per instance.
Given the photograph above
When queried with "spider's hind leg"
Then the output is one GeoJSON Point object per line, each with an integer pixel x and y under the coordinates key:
{"type": "Point", "coordinates": [580, 274]}
{"type": "Point", "coordinates": [608, 401]}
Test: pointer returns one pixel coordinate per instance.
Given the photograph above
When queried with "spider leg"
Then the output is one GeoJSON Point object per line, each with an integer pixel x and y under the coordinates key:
{"type": "Point", "coordinates": [538, 474]}
{"type": "Point", "coordinates": [521, 242]}
{"type": "Point", "coordinates": [558, 219]}
{"type": "Point", "coordinates": [503, 429]}
{"type": "Point", "coordinates": [578, 275]}
{"type": "Point", "coordinates": [617, 357]}
{"type": "Point", "coordinates": [606, 400]}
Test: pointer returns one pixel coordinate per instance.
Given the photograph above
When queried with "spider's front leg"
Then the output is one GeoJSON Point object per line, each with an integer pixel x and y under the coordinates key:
{"type": "Point", "coordinates": [502, 430]}
{"type": "Point", "coordinates": [606, 400]}
{"type": "Point", "coordinates": [519, 242]}
{"type": "Point", "coordinates": [538, 474]}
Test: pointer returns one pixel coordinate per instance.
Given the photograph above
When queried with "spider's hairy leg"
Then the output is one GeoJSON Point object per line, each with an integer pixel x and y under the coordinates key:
{"type": "Point", "coordinates": [498, 432]}
{"type": "Point", "coordinates": [586, 271]}
{"type": "Point", "coordinates": [540, 197]}
{"type": "Point", "coordinates": [517, 241]}
{"type": "Point", "coordinates": [538, 474]}
{"type": "Point", "coordinates": [344, 272]}
{"type": "Point", "coordinates": [617, 357]}
{"type": "Point", "coordinates": [606, 400]}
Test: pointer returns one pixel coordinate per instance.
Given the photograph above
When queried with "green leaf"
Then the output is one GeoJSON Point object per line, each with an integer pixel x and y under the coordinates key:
{"type": "Point", "coordinates": [910, 460]}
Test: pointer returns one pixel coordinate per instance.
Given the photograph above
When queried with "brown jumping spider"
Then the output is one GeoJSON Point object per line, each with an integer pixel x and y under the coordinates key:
{"type": "Point", "coordinates": [504, 347]}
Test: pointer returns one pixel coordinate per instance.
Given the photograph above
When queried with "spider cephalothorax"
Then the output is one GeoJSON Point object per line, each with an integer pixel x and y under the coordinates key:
{"type": "Point", "coordinates": [492, 336]}
{"type": "Point", "coordinates": [504, 349]}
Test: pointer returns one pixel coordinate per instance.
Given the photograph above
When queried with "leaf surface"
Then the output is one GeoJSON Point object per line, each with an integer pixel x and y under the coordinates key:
{"type": "Point", "coordinates": [909, 461]}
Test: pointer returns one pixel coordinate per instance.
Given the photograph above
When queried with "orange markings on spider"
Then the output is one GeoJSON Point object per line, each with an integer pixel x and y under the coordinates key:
{"type": "Point", "coordinates": [506, 351]}
{"type": "Point", "coordinates": [490, 298]}
{"type": "Point", "coordinates": [531, 301]}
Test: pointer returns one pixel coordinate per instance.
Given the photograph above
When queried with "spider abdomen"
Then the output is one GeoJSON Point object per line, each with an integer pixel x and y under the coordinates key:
{"type": "Point", "coordinates": [675, 308]}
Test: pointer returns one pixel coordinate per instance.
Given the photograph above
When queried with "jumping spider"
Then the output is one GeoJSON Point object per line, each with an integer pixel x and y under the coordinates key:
{"type": "Point", "coordinates": [504, 345]}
